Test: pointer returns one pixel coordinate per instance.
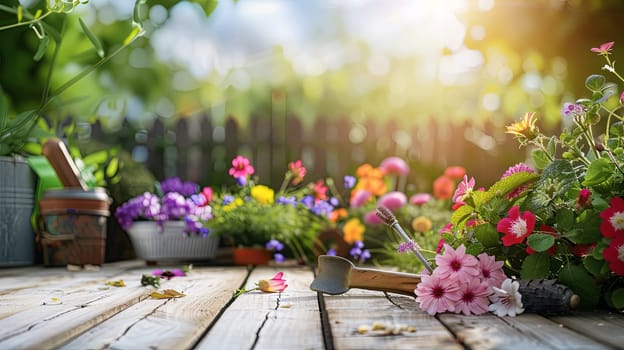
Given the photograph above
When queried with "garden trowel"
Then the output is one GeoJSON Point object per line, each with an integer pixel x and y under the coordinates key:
{"type": "Point", "coordinates": [336, 275]}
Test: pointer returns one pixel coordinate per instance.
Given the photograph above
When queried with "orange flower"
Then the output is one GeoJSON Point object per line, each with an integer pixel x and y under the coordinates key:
{"type": "Point", "coordinates": [337, 214]}
{"type": "Point", "coordinates": [353, 231]}
{"type": "Point", "coordinates": [443, 187]}
{"type": "Point", "coordinates": [422, 224]}
{"type": "Point", "coordinates": [455, 172]}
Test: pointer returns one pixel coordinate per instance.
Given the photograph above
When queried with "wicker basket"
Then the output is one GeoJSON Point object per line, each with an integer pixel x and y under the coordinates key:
{"type": "Point", "coordinates": [155, 244]}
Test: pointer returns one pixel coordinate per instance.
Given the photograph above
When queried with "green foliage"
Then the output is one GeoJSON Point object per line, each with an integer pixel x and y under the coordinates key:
{"type": "Point", "coordinates": [16, 130]}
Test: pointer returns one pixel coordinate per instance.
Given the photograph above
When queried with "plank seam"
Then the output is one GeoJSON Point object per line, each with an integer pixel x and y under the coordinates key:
{"type": "Point", "coordinates": [222, 311]}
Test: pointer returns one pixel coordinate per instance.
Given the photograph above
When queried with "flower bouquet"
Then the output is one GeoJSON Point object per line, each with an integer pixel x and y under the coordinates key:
{"type": "Point", "coordinates": [563, 218]}
{"type": "Point", "coordinates": [285, 222]}
{"type": "Point", "coordinates": [167, 224]}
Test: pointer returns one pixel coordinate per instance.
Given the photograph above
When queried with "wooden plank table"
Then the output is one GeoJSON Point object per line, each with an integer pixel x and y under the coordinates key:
{"type": "Point", "coordinates": [92, 315]}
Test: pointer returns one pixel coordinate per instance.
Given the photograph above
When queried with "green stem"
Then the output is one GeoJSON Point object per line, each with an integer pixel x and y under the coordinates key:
{"type": "Point", "coordinates": [540, 145]}
{"type": "Point", "coordinates": [19, 24]}
{"type": "Point", "coordinates": [587, 134]}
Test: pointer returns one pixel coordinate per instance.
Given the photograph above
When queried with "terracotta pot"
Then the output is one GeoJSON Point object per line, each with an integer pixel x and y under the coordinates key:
{"type": "Point", "coordinates": [73, 226]}
{"type": "Point", "coordinates": [251, 256]}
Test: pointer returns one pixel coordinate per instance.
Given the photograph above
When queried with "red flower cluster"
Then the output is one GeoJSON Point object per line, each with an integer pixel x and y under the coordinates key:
{"type": "Point", "coordinates": [613, 227]}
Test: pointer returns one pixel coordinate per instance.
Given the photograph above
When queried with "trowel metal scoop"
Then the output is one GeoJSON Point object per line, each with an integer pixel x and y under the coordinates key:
{"type": "Point", "coordinates": [336, 275]}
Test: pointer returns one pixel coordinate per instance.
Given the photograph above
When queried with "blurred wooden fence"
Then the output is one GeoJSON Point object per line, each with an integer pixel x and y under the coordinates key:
{"type": "Point", "coordinates": [196, 149]}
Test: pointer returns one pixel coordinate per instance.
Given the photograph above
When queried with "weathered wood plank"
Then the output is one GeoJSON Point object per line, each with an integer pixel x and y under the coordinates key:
{"type": "Point", "coordinates": [27, 291]}
{"type": "Point", "coordinates": [349, 311]}
{"type": "Point", "coordinates": [288, 320]}
{"type": "Point", "coordinates": [522, 332]}
{"type": "Point", "coordinates": [167, 324]}
{"type": "Point", "coordinates": [603, 326]}
{"type": "Point", "coordinates": [551, 333]}
{"type": "Point", "coordinates": [34, 276]}
{"type": "Point", "coordinates": [83, 306]}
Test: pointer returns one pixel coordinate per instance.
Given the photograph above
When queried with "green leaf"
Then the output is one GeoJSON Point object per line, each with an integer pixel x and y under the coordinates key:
{"type": "Point", "coordinates": [137, 20]}
{"type": "Point", "coordinates": [487, 235]}
{"type": "Point", "coordinates": [594, 266]}
{"type": "Point", "coordinates": [41, 49]}
{"type": "Point", "coordinates": [112, 168]}
{"type": "Point", "coordinates": [579, 280]}
{"type": "Point", "coordinates": [461, 215]}
{"type": "Point", "coordinates": [4, 111]}
{"type": "Point", "coordinates": [99, 157]}
{"type": "Point", "coordinates": [617, 298]}
{"type": "Point", "coordinates": [595, 82]}
{"type": "Point", "coordinates": [556, 180]}
{"type": "Point", "coordinates": [552, 145]}
{"type": "Point", "coordinates": [535, 266]}
{"type": "Point", "coordinates": [94, 40]}
{"type": "Point", "coordinates": [474, 249]}
{"type": "Point", "coordinates": [565, 219]}
{"type": "Point", "coordinates": [540, 158]}
{"type": "Point", "coordinates": [540, 242]}
{"type": "Point", "coordinates": [599, 171]}
{"type": "Point", "coordinates": [207, 5]}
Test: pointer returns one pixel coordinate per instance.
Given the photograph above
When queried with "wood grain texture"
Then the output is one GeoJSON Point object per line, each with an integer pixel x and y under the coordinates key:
{"type": "Point", "coordinates": [605, 327]}
{"type": "Point", "coordinates": [26, 291]}
{"type": "Point", "coordinates": [83, 306]}
{"type": "Point", "coordinates": [358, 308]}
{"type": "Point", "coordinates": [287, 320]}
{"type": "Point", "coordinates": [521, 332]}
{"type": "Point", "coordinates": [167, 323]}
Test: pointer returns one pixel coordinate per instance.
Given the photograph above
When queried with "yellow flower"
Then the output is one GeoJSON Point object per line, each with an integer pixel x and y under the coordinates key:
{"type": "Point", "coordinates": [421, 224]}
{"type": "Point", "coordinates": [353, 231]}
{"type": "Point", "coordinates": [525, 129]}
{"type": "Point", "coordinates": [235, 203]}
{"type": "Point", "coordinates": [263, 194]}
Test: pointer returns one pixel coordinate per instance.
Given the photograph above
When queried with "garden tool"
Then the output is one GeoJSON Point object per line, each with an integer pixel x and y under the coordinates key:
{"type": "Point", "coordinates": [57, 154]}
{"type": "Point", "coordinates": [336, 275]}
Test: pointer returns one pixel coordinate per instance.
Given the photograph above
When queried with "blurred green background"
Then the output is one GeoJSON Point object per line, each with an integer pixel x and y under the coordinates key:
{"type": "Point", "coordinates": [484, 62]}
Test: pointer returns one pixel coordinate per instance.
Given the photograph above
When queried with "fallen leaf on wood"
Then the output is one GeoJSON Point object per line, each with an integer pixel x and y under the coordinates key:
{"type": "Point", "coordinates": [119, 283]}
{"type": "Point", "coordinates": [167, 294]}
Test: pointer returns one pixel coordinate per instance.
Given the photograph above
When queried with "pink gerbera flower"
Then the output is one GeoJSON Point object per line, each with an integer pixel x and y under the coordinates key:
{"type": "Point", "coordinates": [491, 270]}
{"type": "Point", "coordinates": [359, 198]}
{"type": "Point", "coordinates": [241, 167]}
{"type": "Point", "coordinates": [457, 264]}
{"type": "Point", "coordinates": [613, 218]}
{"type": "Point", "coordinates": [436, 294]}
{"type": "Point", "coordinates": [394, 165]}
{"type": "Point", "coordinates": [420, 198]}
{"type": "Point", "coordinates": [516, 226]}
{"type": "Point", "coordinates": [474, 297]}
{"type": "Point", "coordinates": [464, 188]}
{"type": "Point", "coordinates": [393, 200]}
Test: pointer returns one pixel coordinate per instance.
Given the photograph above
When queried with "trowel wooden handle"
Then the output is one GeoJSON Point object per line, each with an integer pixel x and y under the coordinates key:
{"type": "Point", "coordinates": [60, 159]}
{"type": "Point", "coordinates": [386, 281]}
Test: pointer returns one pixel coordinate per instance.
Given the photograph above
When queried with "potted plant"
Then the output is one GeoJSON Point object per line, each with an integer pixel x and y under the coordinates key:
{"type": "Point", "coordinates": [19, 134]}
{"type": "Point", "coordinates": [167, 224]}
{"type": "Point", "coordinates": [253, 217]}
